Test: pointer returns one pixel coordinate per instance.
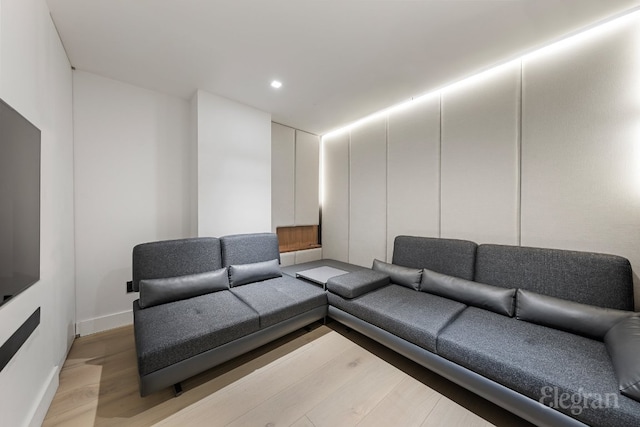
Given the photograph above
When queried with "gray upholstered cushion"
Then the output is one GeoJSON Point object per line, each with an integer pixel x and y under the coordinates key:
{"type": "Point", "coordinates": [587, 320]}
{"type": "Point", "coordinates": [623, 344]}
{"type": "Point", "coordinates": [168, 333]}
{"type": "Point", "coordinates": [254, 272]}
{"type": "Point", "coordinates": [173, 258]}
{"type": "Point", "coordinates": [249, 248]}
{"type": "Point", "coordinates": [540, 363]}
{"type": "Point", "coordinates": [494, 298]}
{"type": "Point", "coordinates": [279, 299]}
{"type": "Point", "coordinates": [446, 256]}
{"type": "Point", "coordinates": [354, 284]}
{"type": "Point", "coordinates": [415, 316]}
{"type": "Point", "coordinates": [161, 291]}
{"type": "Point", "coordinates": [400, 275]}
{"type": "Point", "coordinates": [584, 277]}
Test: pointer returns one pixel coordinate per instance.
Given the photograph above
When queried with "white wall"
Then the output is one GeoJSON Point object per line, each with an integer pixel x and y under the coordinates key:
{"type": "Point", "coordinates": [335, 203]}
{"type": "Point", "coordinates": [132, 185]}
{"type": "Point", "coordinates": [234, 167]}
{"type": "Point", "coordinates": [35, 79]}
{"type": "Point", "coordinates": [368, 193]}
{"type": "Point", "coordinates": [581, 144]}
{"type": "Point", "coordinates": [307, 176]}
{"type": "Point", "coordinates": [480, 158]}
{"type": "Point", "coordinates": [542, 151]}
{"type": "Point", "coordinates": [413, 151]}
{"type": "Point", "coordinates": [283, 176]}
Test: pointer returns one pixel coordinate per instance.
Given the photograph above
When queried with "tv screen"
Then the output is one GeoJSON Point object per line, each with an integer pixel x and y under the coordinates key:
{"type": "Point", "coordinates": [19, 203]}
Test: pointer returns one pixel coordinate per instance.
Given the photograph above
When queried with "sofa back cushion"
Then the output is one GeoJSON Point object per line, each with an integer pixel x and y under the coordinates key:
{"type": "Point", "coordinates": [161, 291]}
{"type": "Point", "coordinates": [584, 277]}
{"type": "Point", "coordinates": [404, 276]}
{"type": "Point", "coordinates": [249, 248]}
{"type": "Point", "coordinates": [447, 256]}
{"type": "Point", "coordinates": [243, 274]}
{"type": "Point", "coordinates": [582, 319]}
{"type": "Point", "coordinates": [494, 298]}
{"type": "Point", "coordinates": [173, 258]}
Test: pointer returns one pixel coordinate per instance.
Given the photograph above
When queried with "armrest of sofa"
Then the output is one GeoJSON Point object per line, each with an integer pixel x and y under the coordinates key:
{"type": "Point", "coordinates": [352, 285]}
{"type": "Point", "coordinates": [623, 345]}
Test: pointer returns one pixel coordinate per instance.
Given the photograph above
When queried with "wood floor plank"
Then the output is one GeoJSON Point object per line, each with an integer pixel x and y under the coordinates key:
{"type": "Point", "coordinates": [348, 405]}
{"type": "Point", "coordinates": [303, 422]}
{"type": "Point", "coordinates": [236, 399]}
{"type": "Point", "coordinates": [408, 405]}
{"type": "Point", "coordinates": [448, 413]}
{"type": "Point", "coordinates": [288, 406]}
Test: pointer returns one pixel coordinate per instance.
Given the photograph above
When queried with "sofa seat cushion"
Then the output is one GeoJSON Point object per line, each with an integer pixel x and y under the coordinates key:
{"type": "Point", "coordinates": [281, 298]}
{"type": "Point", "coordinates": [169, 333]}
{"type": "Point", "coordinates": [571, 373]}
{"type": "Point", "coordinates": [414, 316]}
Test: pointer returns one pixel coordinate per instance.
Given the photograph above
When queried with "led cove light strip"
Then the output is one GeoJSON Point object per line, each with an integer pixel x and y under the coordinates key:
{"type": "Point", "coordinates": [568, 38]}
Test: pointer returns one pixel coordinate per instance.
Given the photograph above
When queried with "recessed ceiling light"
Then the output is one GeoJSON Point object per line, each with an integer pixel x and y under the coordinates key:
{"type": "Point", "coordinates": [276, 84]}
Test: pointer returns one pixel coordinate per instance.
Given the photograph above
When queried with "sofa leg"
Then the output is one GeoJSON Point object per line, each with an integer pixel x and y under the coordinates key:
{"type": "Point", "coordinates": [177, 389]}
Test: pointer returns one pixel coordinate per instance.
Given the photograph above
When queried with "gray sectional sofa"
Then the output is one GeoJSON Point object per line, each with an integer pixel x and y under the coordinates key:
{"type": "Point", "coordinates": [547, 334]}
{"type": "Point", "coordinates": [523, 327]}
{"type": "Point", "coordinates": [204, 301]}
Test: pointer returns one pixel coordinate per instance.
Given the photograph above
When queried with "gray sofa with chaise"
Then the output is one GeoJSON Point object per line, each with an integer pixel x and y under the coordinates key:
{"type": "Point", "coordinates": [547, 334]}
{"type": "Point", "coordinates": [205, 300]}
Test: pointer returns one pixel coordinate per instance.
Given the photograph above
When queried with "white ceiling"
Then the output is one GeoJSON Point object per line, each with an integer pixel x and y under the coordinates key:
{"type": "Point", "coordinates": [339, 60]}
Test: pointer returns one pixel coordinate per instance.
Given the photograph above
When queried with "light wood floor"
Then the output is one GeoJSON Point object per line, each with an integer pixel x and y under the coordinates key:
{"type": "Point", "coordinates": [323, 377]}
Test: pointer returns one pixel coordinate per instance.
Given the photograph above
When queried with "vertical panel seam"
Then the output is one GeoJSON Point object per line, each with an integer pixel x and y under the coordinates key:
{"type": "Point", "coordinates": [349, 197]}
{"type": "Point", "coordinates": [440, 165]}
{"type": "Point", "coordinates": [519, 176]}
{"type": "Point", "coordinates": [295, 176]}
{"type": "Point", "coordinates": [386, 191]}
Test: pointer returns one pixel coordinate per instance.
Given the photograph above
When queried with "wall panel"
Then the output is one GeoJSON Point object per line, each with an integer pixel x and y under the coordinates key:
{"type": "Point", "coordinates": [368, 193]}
{"type": "Point", "coordinates": [580, 151]}
{"type": "Point", "coordinates": [413, 172]}
{"type": "Point", "coordinates": [307, 174]}
{"type": "Point", "coordinates": [480, 158]}
{"type": "Point", "coordinates": [335, 206]}
{"type": "Point", "coordinates": [282, 175]}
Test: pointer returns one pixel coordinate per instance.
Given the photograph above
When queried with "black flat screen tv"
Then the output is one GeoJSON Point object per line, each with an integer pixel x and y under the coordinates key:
{"type": "Point", "coordinates": [19, 203]}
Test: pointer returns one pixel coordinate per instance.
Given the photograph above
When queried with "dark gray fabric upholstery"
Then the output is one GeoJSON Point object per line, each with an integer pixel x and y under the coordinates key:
{"type": "Point", "coordinates": [249, 248]}
{"type": "Point", "coordinates": [582, 319]}
{"type": "Point", "coordinates": [161, 291]}
{"type": "Point", "coordinates": [257, 271]}
{"type": "Point", "coordinates": [354, 284]}
{"type": "Point", "coordinates": [400, 275]}
{"type": "Point", "coordinates": [446, 256]}
{"type": "Point", "coordinates": [415, 316]}
{"type": "Point", "coordinates": [623, 344]}
{"type": "Point", "coordinates": [278, 299]}
{"type": "Point", "coordinates": [494, 298]}
{"type": "Point", "coordinates": [584, 277]}
{"type": "Point", "coordinates": [533, 359]}
{"type": "Point", "coordinates": [173, 258]}
{"type": "Point", "coordinates": [168, 333]}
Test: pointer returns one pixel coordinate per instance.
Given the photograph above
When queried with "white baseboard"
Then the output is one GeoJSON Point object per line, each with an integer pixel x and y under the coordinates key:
{"type": "Point", "coordinates": [104, 323]}
{"type": "Point", "coordinates": [42, 406]}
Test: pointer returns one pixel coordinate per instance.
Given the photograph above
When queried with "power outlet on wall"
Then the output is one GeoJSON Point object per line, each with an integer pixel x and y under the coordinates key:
{"type": "Point", "coordinates": [130, 287]}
